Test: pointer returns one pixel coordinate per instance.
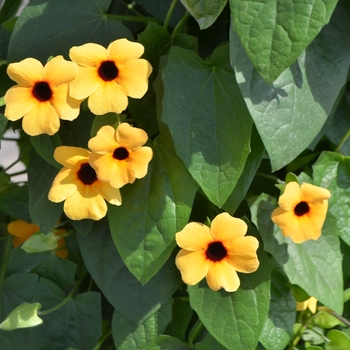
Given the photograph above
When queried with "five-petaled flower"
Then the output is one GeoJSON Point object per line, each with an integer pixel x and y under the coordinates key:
{"type": "Point", "coordinates": [41, 96]}
{"type": "Point", "coordinates": [22, 230]}
{"type": "Point", "coordinates": [109, 76]}
{"type": "Point", "coordinates": [118, 156]}
{"type": "Point", "coordinates": [302, 211]}
{"type": "Point", "coordinates": [78, 185]}
{"type": "Point", "coordinates": [216, 252]}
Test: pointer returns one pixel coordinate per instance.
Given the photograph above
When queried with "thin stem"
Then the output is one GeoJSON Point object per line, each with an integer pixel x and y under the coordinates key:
{"type": "Point", "coordinates": [181, 23]}
{"type": "Point", "coordinates": [132, 18]}
{"type": "Point", "coordinates": [5, 255]}
{"type": "Point", "coordinates": [343, 140]}
{"type": "Point", "coordinates": [102, 339]}
{"type": "Point", "coordinates": [2, 101]}
{"type": "Point", "coordinates": [23, 153]}
{"type": "Point", "coordinates": [195, 331]}
{"type": "Point", "coordinates": [19, 173]}
{"type": "Point", "coordinates": [169, 14]}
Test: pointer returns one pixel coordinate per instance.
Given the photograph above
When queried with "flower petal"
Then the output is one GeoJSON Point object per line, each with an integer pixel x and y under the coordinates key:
{"type": "Point", "coordinates": [42, 119]}
{"type": "Point", "coordinates": [70, 156]}
{"type": "Point", "coordinates": [19, 101]}
{"type": "Point", "coordinates": [63, 186]}
{"type": "Point", "coordinates": [26, 73]}
{"type": "Point", "coordinates": [105, 166]}
{"type": "Point", "coordinates": [109, 97]}
{"type": "Point", "coordinates": [88, 55]}
{"type": "Point", "coordinates": [133, 77]}
{"type": "Point", "coordinates": [312, 194]}
{"type": "Point", "coordinates": [242, 254]}
{"type": "Point", "coordinates": [129, 137]}
{"type": "Point", "coordinates": [104, 141]}
{"type": "Point", "coordinates": [20, 228]}
{"type": "Point", "coordinates": [139, 160]}
{"type": "Point", "coordinates": [122, 50]}
{"type": "Point", "coordinates": [66, 107]}
{"type": "Point", "coordinates": [109, 193]}
{"type": "Point", "coordinates": [192, 265]}
{"type": "Point", "coordinates": [224, 227]}
{"type": "Point", "coordinates": [194, 236]}
{"type": "Point", "coordinates": [59, 71]}
{"type": "Point", "coordinates": [291, 196]}
{"type": "Point", "coordinates": [223, 275]}
{"type": "Point", "coordinates": [286, 220]}
{"type": "Point", "coordinates": [85, 83]}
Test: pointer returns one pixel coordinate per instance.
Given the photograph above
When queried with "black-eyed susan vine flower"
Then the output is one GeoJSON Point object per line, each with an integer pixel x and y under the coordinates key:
{"type": "Point", "coordinates": [78, 186]}
{"type": "Point", "coordinates": [302, 211]}
{"type": "Point", "coordinates": [23, 230]}
{"type": "Point", "coordinates": [216, 253]}
{"type": "Point", "coordinates": [41, 96]}
{"type": "Point", "coordinates": [118, 156]}
{"type": "Point", "coordinates": [310, 304]}
{"type": "Point", "coordinates": [109, 76]}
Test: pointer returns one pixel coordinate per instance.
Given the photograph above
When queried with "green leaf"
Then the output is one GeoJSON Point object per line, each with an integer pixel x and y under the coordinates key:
{"type": "Point", "coordinates": [154, 209]}
{"type": "Point", "coordinates": [205, 12]}
{"type": "Point", "coordinates": [208, 120]}
{"type": "Point", "coordinates": [209, 343]}
{"type": "Point", "coordinates": [39, 243]}
{"type": "Point", "coordinates": [15, 203]}
{"type": "Point", "coordinates": [304, 264]}
{"type": "Point", "coordinates": [274, 33]}
{"type": "Point", "coordinates": [130, 298]}
{"type": "Point", "coordinates": [324, 319]}
{"type": "Point", "coordinates": [235, 319]}
{"type": "Point", "coordinates": [332, 171]}
{"type": "Point", "coordinates": [339, 340]}
{"type": "Point", "coordinates": [290, 112]}
{"type": "Point", "coordinates": [23, 316]}
{"type": "Point", "coordinates": [45, 146]}
{"type": "Point", "coordinates": [3, 124]}
{"type": "Point", "coordinates": [9, 9]}
{"type": "Point", "coordinates": [164, 342]}
{"type": "Point", "coordinates": [43, 212]}
{"type": "Point", "coordinates": [76, 23]}
{"type": "Point", "coordinates": [130, 335]}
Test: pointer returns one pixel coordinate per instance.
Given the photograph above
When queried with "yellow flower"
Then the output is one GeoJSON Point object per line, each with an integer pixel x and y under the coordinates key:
{"type": "Point", "coordinates": [118, 156]}
{"type": "Point", "coordinates": [110, 75]}
{"type": "Point", "coordinates": [310, 304]}
{"type": "Point", "coordinates": [22, 230]}
{"type": "Point", "coordinates": [302, 211]}
{"type": "Point", "coordinates": [78, 185]}
{"type": "Point", "coordinates": [216, 252]}
{"type": "Point", "coordinates": [41, 96]}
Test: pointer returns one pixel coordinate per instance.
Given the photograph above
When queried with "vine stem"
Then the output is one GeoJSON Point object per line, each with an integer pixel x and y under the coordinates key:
{"type": "Point", "coordinates": [342, 141]}
{"type": "Point", "coordinates": [195, 331]}
{"type": "Point", "coordinates": [102, 339]}
{"type": "Point", "coordinates": [181, 23]}
{"type": "Point", "coordinates": [169, 14]}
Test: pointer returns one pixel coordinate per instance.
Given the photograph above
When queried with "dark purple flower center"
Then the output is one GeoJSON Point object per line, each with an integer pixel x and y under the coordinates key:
{"type": "Point", "coordinates": [108, 70]}
{"type": "Point", "coordinates": [42, 91]}
{"type": "Point", "coordinates": [216, 251]}
{"type": "Point", "coordinates": [120, 153]}
{"type": "Point", "coordinates": [301, 209]}
{"type": "Point", "coordinates": [86, 174]}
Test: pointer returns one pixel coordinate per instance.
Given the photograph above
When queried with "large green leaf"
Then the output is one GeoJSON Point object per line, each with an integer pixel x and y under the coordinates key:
{"type": "Point", "coordinates": [59, 25]}
{"type": "Point", "coordinates": [45, 146]}
{"type": "Point", "coordinates": [204, 11]}
{"type": "Point", "coordinates": [154, 209]}
{"type": "Point", "coordinates": [3, 124]}
{"type": "Point", "coordinates": [304, 264]}
{"type": "Point", "coordinates": [127, 295]}
{"type": "Point", "coordinates": [332, 171]}
{"type": "Point", "coordinates": [275, 32]}
{"type": "Point", "coordinates": [290, 112]}
{"type": "Point", "coordinates": [207, 118]}
{"type": "Point", "coordinates": [235, 319]}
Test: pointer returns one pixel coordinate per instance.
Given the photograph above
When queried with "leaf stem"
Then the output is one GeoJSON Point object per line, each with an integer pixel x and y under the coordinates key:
{"type": "Point", "coordinates": [102, 339]}
{"type": "Point", "coordinates": [342, 141]}
{"type": "Point", "coordinates": [195, 331]}
{"type": "Point", "coordinates": [181, 23]}
{"type": "Point", "coordinates": [169, 14]}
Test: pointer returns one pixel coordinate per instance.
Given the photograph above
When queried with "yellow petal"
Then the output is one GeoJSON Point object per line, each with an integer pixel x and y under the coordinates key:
{"type": "Point", "coordinates": [70, 157]}
{"type": "Point", "coordinates": [59, 71]}
{"type": "Point", "coordinates": [104, 141]}
{"type": "Point", "coordinates": [291, 196]}
{"type": "Point", "coordinates": [307, 229]}
{"type": "Point", "coordinates": [109, 97]}
{"type": "Point", "coordinates": [222, 275]}
{"type": "Point", "coordinates": [63, 186]}
{"type": "Point", "coordinates": [85, 204]}
{"type": "Point", "coordinates": [122, 50]}
{"type": "Point", "coordinates": [286, 220]}
{"type": "Point", "coordinates": [192, 265]}
{"type": "Point", "coordinates": [139, 160]}
{"type": "Point", "coordinates": [129, 137]}
{"type": "Point", "coordinates": [226, 228]}
{"type": "Point", "coordinates": [26, 73]}
{"type": "Point", "coordinates": [42, 119]}
{"type": "Point", "coordinates": [20, 228]}
{"type": "Point", "coordinates": [19, 101]}
{"type": "Point", "coordinates": [242, 254]}
{"type": "Point", "coordinates": [105, 166]}
{"type": "Point", "coordinates": [133, 77]}
{"type": "Point", "coordinates": [85, 83]}
{"type": "Point", "coordinates": [311, 193]}
{"type": "Point", "coordinates": [88, 55]}
{"type": "Point", "coordinates": [123, 175]}
{"type": "Point", "coordinates": [66, 107]}
{"type": "Point", "coordinates": [194, 236]}
{"type": "Point", "coordinates": [109, 193]}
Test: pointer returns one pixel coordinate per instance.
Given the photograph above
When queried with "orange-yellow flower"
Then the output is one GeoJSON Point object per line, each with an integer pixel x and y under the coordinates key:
{"type": "Point", "coordinates": [302, 211]}
{"type": "Point", "coordinates": [78, 186]}
{"type": "Point", "coordinates": [41, 96]}
{"type": "Point", "coordinates": [109, 76]}
{"type": "Point", "coordinates": [118, 156]}
{"type": "Point", "coordinates": [216, 252]}
{"type": "Point", "coordinates": [310, 304]}
{"type": "Point", "coordinates": [22, 230]}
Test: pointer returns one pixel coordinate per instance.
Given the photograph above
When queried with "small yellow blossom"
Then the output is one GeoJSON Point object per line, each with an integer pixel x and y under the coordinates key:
{"type": "Point", "coordinates": [310, 304]}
